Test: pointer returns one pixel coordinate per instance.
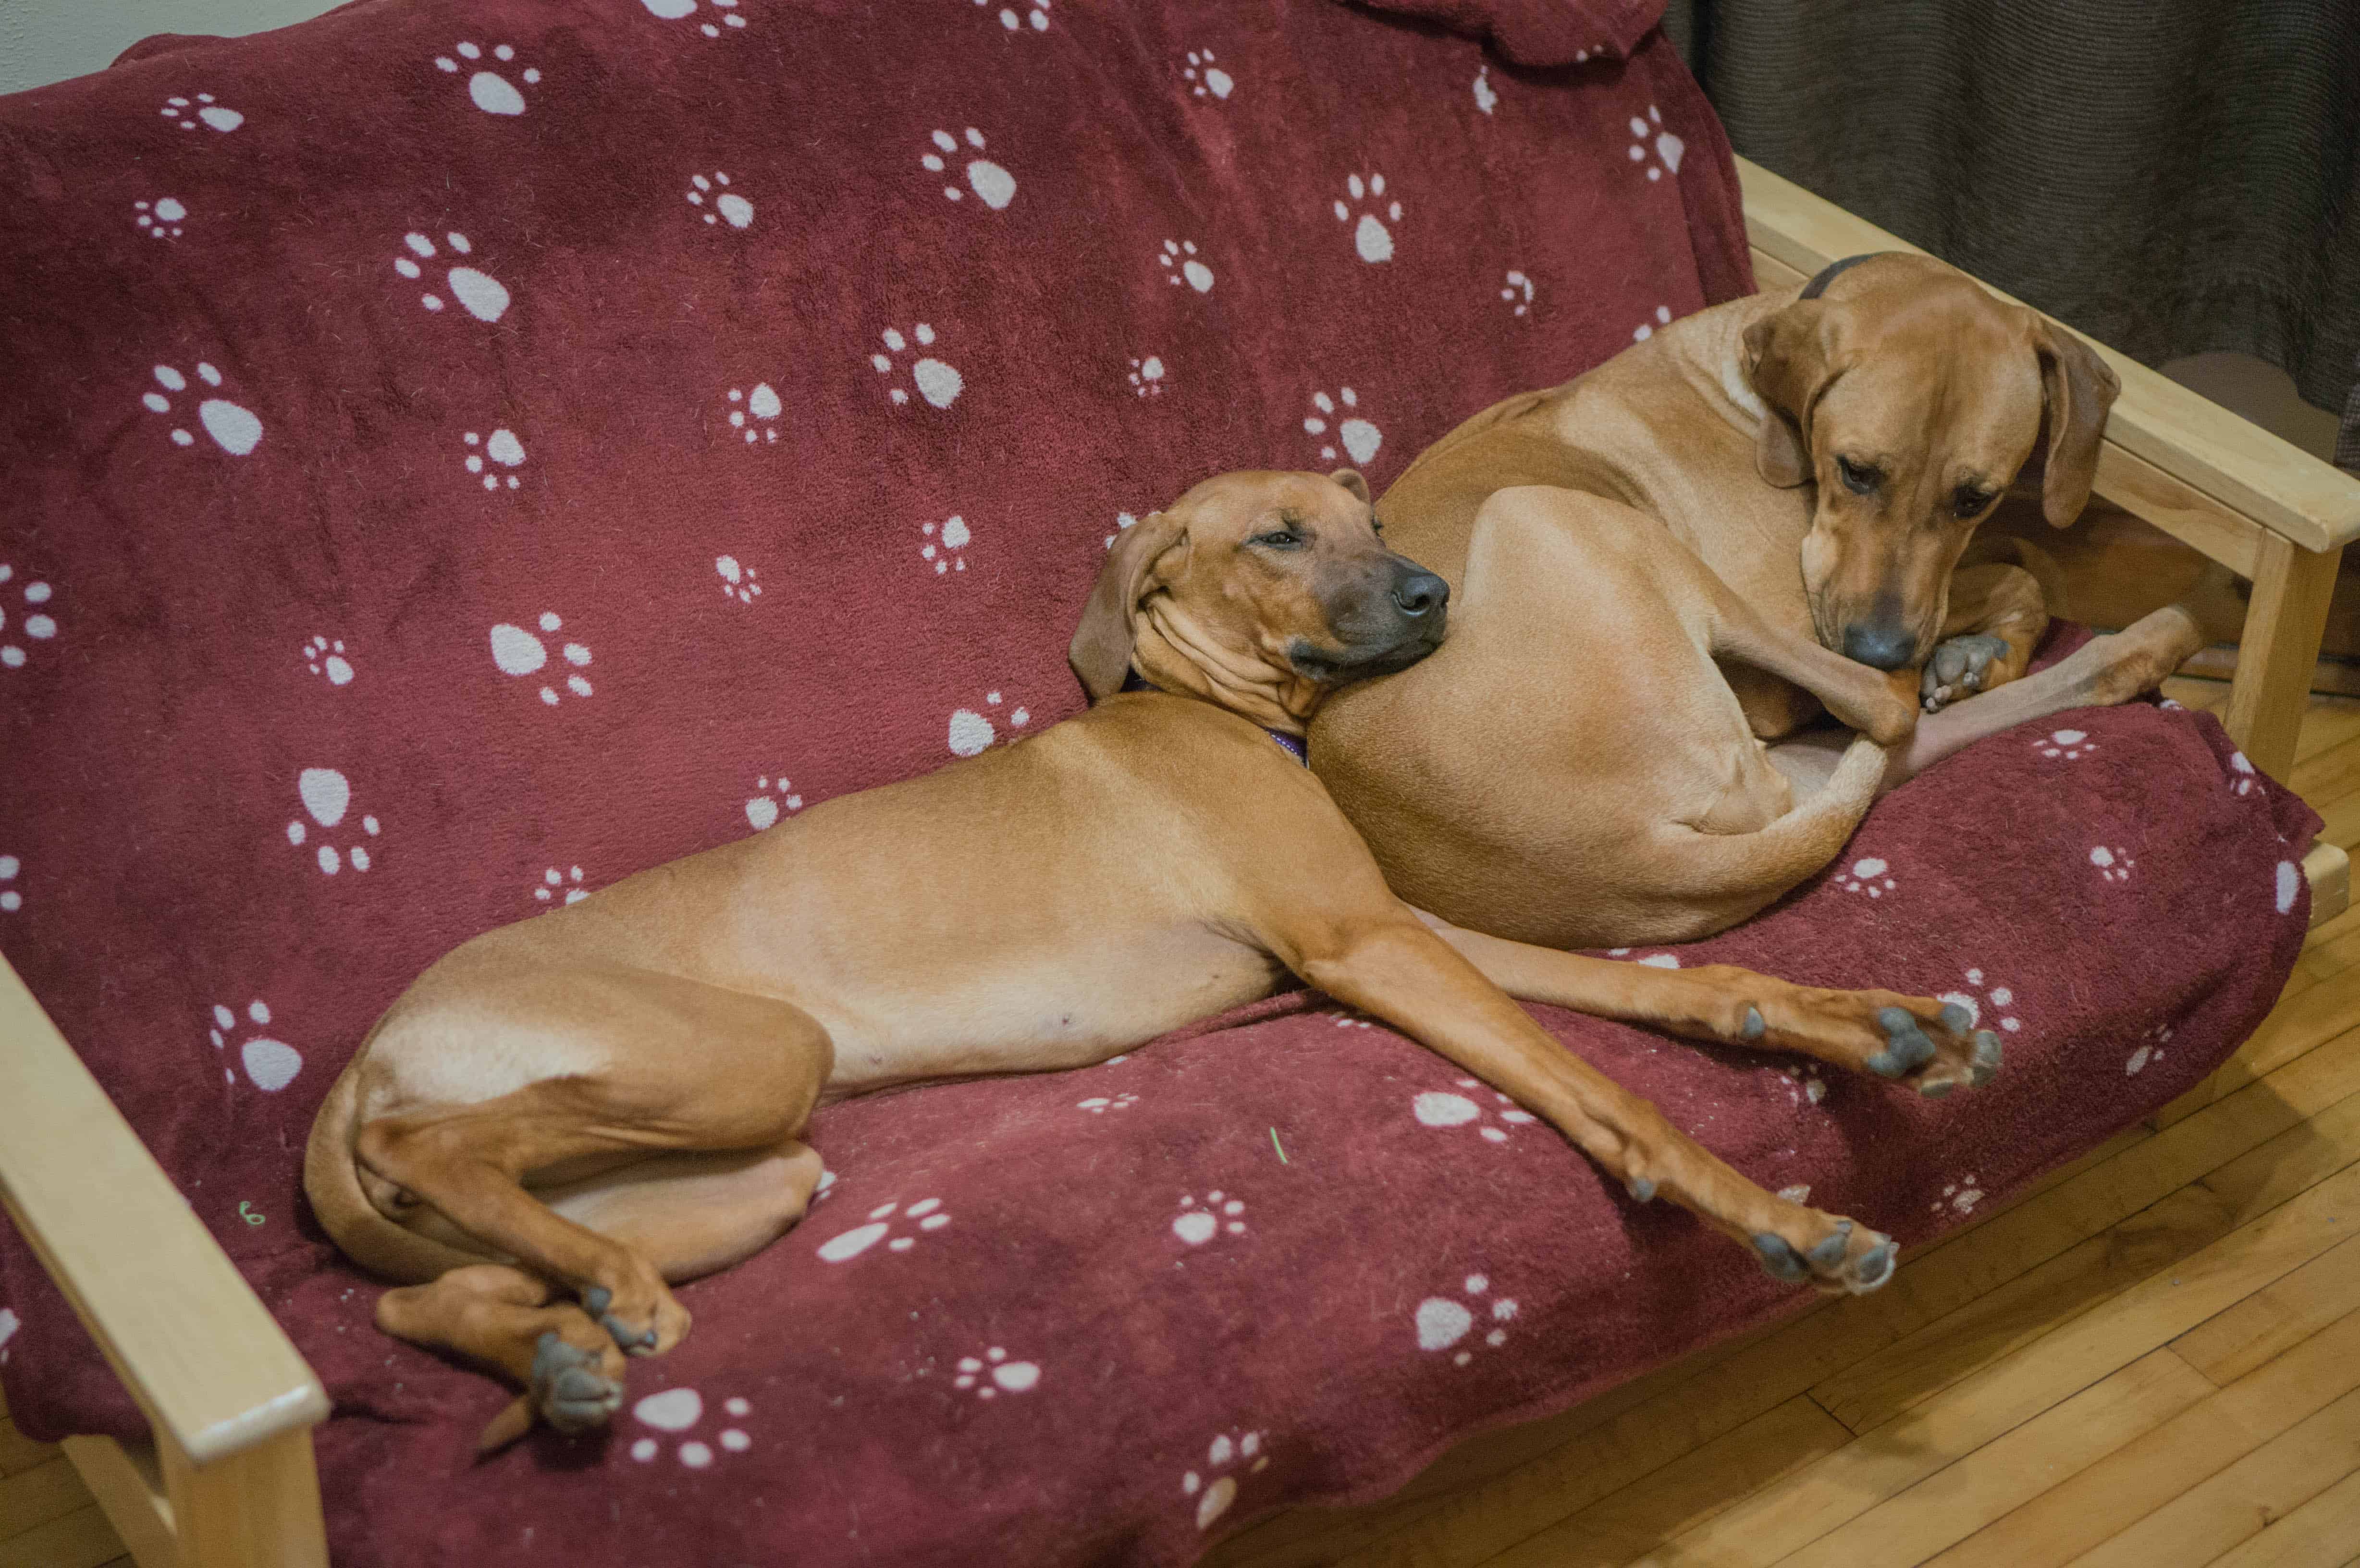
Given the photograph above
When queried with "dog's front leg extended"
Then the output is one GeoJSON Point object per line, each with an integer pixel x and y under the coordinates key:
{"type": "Point", "coordinates": [1396, 969]}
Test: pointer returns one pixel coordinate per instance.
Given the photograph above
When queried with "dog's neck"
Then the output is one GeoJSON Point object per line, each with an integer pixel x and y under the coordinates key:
{"type": "Point", "coordinates": [1175, 653]}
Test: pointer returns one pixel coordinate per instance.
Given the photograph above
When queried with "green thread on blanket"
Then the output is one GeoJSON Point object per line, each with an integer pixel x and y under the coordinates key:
{"type": "Point", "coordinates": [249, 1214]}
{"type": "Point", "coordinates": [1280, 1147]}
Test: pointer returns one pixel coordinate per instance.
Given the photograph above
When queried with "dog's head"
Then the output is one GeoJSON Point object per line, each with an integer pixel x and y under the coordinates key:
{"type": "Point", "coordinates": [1912, 398]}
{"type": "Point", "coordinates": [1261, 592]}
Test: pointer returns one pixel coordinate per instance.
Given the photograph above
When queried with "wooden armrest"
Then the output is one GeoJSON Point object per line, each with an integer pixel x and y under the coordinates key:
{"type": "Point", "coordinates": [211, 1370]}
{"type": "Point", "coordinates": [2191, 440]}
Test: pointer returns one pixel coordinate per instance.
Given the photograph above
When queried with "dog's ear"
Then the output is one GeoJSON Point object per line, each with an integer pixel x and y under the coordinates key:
{"type": "Point", "coordinates": [1101, 651]}
{"type": "Point", "coordinates": [1349, 478]}
{"type": "Point", "coordinates": [1786, 360]}
{"type": "Point", "coordinates": [2079, 389]}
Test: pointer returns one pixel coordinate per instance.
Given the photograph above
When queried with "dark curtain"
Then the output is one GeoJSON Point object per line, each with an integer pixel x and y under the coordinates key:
{"type": "Point", "coordinates": [2169, 176]}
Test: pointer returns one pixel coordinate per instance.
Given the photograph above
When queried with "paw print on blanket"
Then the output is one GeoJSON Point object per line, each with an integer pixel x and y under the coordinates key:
{"type": "Point", "coordinates": [270, 1064]}
{"type": "Point", "coordinates": [727, 206]}
{"type": "Point", "coordinates": [947, 548]}
{"type": "Point", "coordinates": [2241, 775]}
{"type": "Point", "coordinates": [1667, 147]}
{"type": "Point", "coordinates": [1960, 1197]}
{"type": "Point", "coordinates": [2072, 746]}
{"type": "Point", "coordinates": [1361, 437]}
{"type": "Point", "coordinates": [1518, 292]}
{"type": "Point", "coordinates": [491, 92]}
{"type": "Point", "coordinates": [1647, 330]}
{"type": "Point", "coordinates": [327, 797]}
{"type": "Point", "coordinates": [992, 184]}
{"type": "Point", "coordinates": [938, 383]}
{"type": "Point", "coordinates": [557, 887]}
{"type": "Point", "coordinates": [674, 10]}
{"type": "Point", "coordinates": [326, 659]}
{"type": "Point", "coordinates": [2113, 863]}
{"type": "Point", "coordinates": [1440, 1109]}
{"type": "Point", "coordinates": [2289, 874]}
{"type": "Point", "coordinates": [1868, 875]}
{"type": "Point", "coordinates": [1371, 238]}
{"type": "Point", "coordinates": [926, 1214]}
{"type": "Point", "coordinates": [500, 446]}
{"type": "Point", "coordinates": [972, 732]}
{"type": "Point", "coordinates": [1032, 13]}
{"type": "Point", "coordinates": [188, 115]}
{"type": "Point", "coordinates": [1099, 1104]}
{"type": "Point", "coordinates": [1444, 1321]}
{"type": "Point", "coordinates": [1203, 76]}
{"type": "Point", "coordinates": [1197, 1223]}
{"type": "Point", "coordinates": [1147, 377]}
{"type": "Point", "coordinates": [35, 621]}
{"type": "Point", "coordinates": [676, 1411]}
{"type": "Point", "coordinates": [161, 219]}
{"type": "Point", "coordinates": [1487, 97]}
{"type": "Point", "coordinates": [12, 899]}
{"type": "Point", "coordinates": [992, 1373]}
{"type": "Point", "coordinates": [519, 653]}
{"type": "Point", "coordinates": [753, 413]}
{"type": "Point", "coordinates": [233, 428]}
{"type": "Point", "coordinates": [1996, 1002]}
{"type": "Point", "coordinates": [479, 294]}
{"type": "Point", "coordinates": [1236, 1452]}
{"type": "Point", "coordinates": [737, 580]}
{"type": "Point", "coordinates": [2149, 1048]}
{"type": "Point", "coordinates": [769, 800]}
{"type": "Point", "coordinates": [1178, 259]}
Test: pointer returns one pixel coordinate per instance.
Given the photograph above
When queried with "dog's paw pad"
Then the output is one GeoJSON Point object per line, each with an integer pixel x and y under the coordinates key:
{"type": "Point", "coordinates": [568, 1390]}
{"type": "Point", "coordinates": [1779, 1260]}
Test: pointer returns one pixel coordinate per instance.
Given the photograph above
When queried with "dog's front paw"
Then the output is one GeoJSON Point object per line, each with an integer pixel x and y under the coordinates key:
{"type": "Point", "coordinates": [573, 1389]}
{"type": "Point", "coordinates": [1962, 666]}
{"type": "Point", "coordinates": [1849, 1259]}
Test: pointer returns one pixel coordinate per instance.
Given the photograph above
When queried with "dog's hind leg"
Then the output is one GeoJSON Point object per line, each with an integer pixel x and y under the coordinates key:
{"type": "Point", "coordinates": [504, 1318]}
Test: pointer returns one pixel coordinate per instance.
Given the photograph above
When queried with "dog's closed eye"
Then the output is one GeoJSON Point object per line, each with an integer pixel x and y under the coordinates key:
{"type": "Point", "coordinates": [1969, 499]}
{"type": "Point", "coordinates": [1860, 478]}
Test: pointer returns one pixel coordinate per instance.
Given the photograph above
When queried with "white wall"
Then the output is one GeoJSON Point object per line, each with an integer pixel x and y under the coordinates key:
{"type": "Point", "coordinates": [43, 41]}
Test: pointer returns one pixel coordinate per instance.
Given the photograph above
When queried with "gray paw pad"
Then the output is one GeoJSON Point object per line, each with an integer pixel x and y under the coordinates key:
{"type": "Point", "coordinates": [1755, 1028]}
{"type": "Point", "coordinates": [1830, 1253]}
{"type": "Point", "coordinates": [595, 1298]}
{"type": "Point", "coordinates": [1987, 1057]}
{"type": "Point", "coordinates": [570, 1392]}
{"type": "Point", "coordinates": [1779, 1260]}
{"type": "Point", "coordinates": [1907, 1047]}
{"type": "Point", "coordinates": [1876, 1267]}
{"type": "Point", "coordinates": [1642, 1189]}
{"type": "Point", "coordinates": [1955, 1018]}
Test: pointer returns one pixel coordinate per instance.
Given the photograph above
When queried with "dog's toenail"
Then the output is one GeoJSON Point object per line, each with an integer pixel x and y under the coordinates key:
{"type": "Point", "coordinates": [619, 1330]}
{"type": "Point", "coordinates": [1780, 1261]}
{"type": "Point", "coordinates": [1955, 1018]}
{"type": "Point", "coordinates": [1754, 1027]}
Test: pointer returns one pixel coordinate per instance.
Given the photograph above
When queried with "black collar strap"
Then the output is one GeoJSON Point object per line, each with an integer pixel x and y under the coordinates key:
{"type": "Point", "coordinates": [1293, 746]}
{"type": "Point", "coordinates": [1827, 274]}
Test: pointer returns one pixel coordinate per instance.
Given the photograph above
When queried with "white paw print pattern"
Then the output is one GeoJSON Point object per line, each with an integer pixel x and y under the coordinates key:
{"type": "Point", "coordinates": [327, 796]}
{"type": "Point", "coordinates": [1227, 1451]}
{"type": "Point", "coordinates": [2289, 875]}
{"type": "Point", "coordinates": [673, 10]}
{"type": "Point", "coordinates": [1147, 376]}
{"type": "Point", "coordinates": [1868, 875]}
{"type": "Point", "coordinates": [270, 1064]}
{"type": "Point", "coordinates": [728, 206]}
{"type": "Point", "coordinates": [1099, 1104]}
{"type": "Point", "coordinates": [492, 93]}
{"type": "Point", "coordinates": [1997, 1001]}
{"type": "Point", "coordinates": [234, 429]}
{"type": "Point", "coordinates": [1487, 97]}
{"type": "Point", "coordinates": [500, 446]}
{"type": "Point", "coordinates": [1668, 146]}
{"type": "Point", "coordinates": [2113, 862]}
{"type": "Point", "coordinates": [993, 1372]}
{"type": "Point", "coordinates": [519, 653]}
{"type": "Point", "coordinates": [737, 580]}
{"type": "Point", "coordinates": [1813, 1089]}
{"type": "Point", "coordinates": [1440, 1109]}
{"type": "Point", "coordinates": [1197, 1223]}
{"type": "Point", "coordinates": [1360, 437]}
{"type": "Point", "coordinates": [946, 548]}
{"type": "Point", "coordinates": [752, 414]}
{"type": "Point", "coordinates": [162, 218]}
{"type": "Point", "coordinates": [1444, 1321]}
{"type": "Point", "coordinates": [11, 897]}
{"type": "Point", "coordinates": [1349, 1020]}
{"type": "Point", "coordinates": [677, 1410]}
{"type": "Point", "coordinates": [1032, 13]}
{"type": "Point", "coordinates": [479, 294]}
{"type": "Point", "coordinates": [2150, 1049]}
{"type": "Point", "coordinates": [993, 185]}
{"type": "Point", "coordinates": [972, 732]}
{"type": "Point", "coordinates": [326, 659]}
{"type": "Point", "coordinates": [936, 382]}
{"type": "Point", "coordinates": [1960, 1197]}
{"type": "Point", "coordinates": [557, 887]}
{"type": "Point", "coordinates": [35, 621]}
{"type": "Point", "coordinates": [1647, 330]}
{"type": "Point", "coordinates": [1121, 520]}
{"type": "Point", "coordinates": [188, 114]}
{"type": "Point", "coordinates": [1371, 238]}
{"type": "Point", "coordinates": [2070, 744]}
{"type": "Point", "coordinates": [772, 799]}
{"type": "Point", "coordinates": [1518, 292]}
{"type": "Point", "coordinates": [2241, 774]}
{"type": "Point", "coordinates": [1178, 259]}
{"type": "Point", "coordinates": [927, 1214]}
{"type": "Point", "coordinates": [1203, 76]}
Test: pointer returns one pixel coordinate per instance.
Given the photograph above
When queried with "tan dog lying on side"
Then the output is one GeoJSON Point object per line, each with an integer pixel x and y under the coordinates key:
{"type": "Point", "coordinates": [563, 1115]}
{"type": "Point", "coordinates": [1661, 566]}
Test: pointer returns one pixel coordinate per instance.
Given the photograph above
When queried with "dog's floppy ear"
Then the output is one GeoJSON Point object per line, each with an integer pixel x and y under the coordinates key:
{"type": "Point", "coordinates": [1101, 651]}
{"type": "Point", "coordinates": [1786, 360]}
{"type": "Point", "coordinates": [1349, 478]}
{"type": "Point", "coordinates": [2079, 388]}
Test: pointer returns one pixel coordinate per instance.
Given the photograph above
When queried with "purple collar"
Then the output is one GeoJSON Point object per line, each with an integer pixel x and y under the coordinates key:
{"type": "Point", "coordinates": [1293, 746]}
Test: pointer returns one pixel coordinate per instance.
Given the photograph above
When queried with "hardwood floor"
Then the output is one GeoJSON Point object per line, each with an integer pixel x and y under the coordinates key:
{"type": "Point", "coordinates": [2152, 1361]}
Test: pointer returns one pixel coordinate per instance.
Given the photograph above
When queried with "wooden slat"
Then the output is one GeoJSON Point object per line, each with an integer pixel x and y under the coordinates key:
{"type": "Point", "coordinates": [2323, 1533]}
{"type": "Point", "coordinates": [81, 1540]}
{"type": "Point", "coordinates": [130, 1486]}
{"type": "Point", "coordinates": [2219, 455]}
{"type": "Point", "coordinates": [2281, 1319]}
{"type": "Point", "coordinates": [2284, 620]}
{"type": "Point", "coordinates": [19, 1452]}
{"type": "Point", "coordinates": [47, 1491]}
{"type": "Point", "coordinates": [2184, 512]}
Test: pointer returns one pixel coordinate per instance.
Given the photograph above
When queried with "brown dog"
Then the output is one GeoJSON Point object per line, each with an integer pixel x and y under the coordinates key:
{"type": "Point", "coordinates": [1660, 566]}
{"type": "Point", "coordinates": [583, 1106]}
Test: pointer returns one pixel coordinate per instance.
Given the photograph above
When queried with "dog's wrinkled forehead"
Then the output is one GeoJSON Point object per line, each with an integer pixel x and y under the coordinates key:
{"type": "Point", "coordinates": [1242, 503]}
{"type": "Point", "coordinates": [1927, 363]}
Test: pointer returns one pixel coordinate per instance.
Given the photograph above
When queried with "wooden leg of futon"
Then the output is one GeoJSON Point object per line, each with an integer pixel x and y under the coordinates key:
{"type": "Point", "coordinates": [258, 1508]}
{"type": "Point", "coordinates": [2283, 625]}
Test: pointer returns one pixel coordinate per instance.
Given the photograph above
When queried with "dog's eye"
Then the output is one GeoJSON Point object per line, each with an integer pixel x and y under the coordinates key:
{"type": "Point", "coordinates": [1860, 478]}
{"type": "Point", "coordinates": [1967, 500]}
{"type": "Point", "coordinates": [1281, 540]}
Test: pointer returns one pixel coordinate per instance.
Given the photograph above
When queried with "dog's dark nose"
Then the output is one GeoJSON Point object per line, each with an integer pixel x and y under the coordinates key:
{"type": "Point", "coordinates": [1885, 646]}
{"type": "Point", "coordinates": [1421, 593]}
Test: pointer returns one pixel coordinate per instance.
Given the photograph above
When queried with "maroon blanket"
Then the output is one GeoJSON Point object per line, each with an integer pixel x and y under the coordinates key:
{"type": "Point", "coordinates": [457, 455]}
